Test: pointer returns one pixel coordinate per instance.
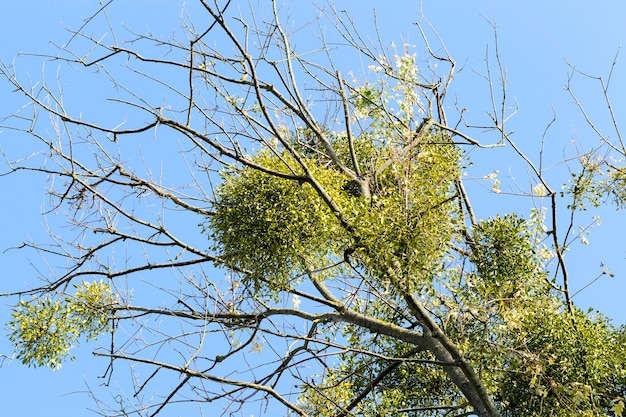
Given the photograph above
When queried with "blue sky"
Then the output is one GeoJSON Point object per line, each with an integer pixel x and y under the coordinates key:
{"type": "Point", "coordinates": [536, 39]}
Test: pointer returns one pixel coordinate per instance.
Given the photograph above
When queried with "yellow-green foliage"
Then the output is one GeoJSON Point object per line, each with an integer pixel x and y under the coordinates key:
{"type": "Point", "coordinates": [596, 182]}
{"type": "Point", "coordinates": [400, 234]}
{"type": "Point", "coordinates": [533, 364]}
{"type": "Point", "coordinates": [553, 369]}
{"type": "Point", "coordinates": [405, 385]}
{"type": "Point", "coordinates": [407, 232]}
{"type": "Point", "coordinates": [505, 259]}
{"type": "Point", "coordinates": [44, 330]}
{"type": "Point", "coordinates": [272, 227]}
{"type": "Point", "coordinates": [512, 326]}
{"type": "Point", "coordinates": [521, 337]}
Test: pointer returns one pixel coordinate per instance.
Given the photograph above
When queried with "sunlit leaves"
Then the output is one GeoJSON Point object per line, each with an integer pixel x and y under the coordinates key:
{"type": "Point", "coordinates": [44, 330]}
{"type": "Point", "coordinates": [410, 226]}
{"type": "Point", "coordinates": [272, 226]}
{"type": "Point", "coordinates": [562, 371]}
{"type": "Point", "coordinates": [597, 181]}
{"type": "Point", "coordinates": [367, 100]}
{"type": "Point", "coordinates": [42, 333]}
{"type": "Point", "coordinates": [91, 306]}
{"type": "Point", "coordinates": [618, 407]}
{"type": "Point", "coordinates": [398, 226]}
{"type": "Point", "coordinates": [355, 183]}
{"type": "Point", "coordinates": [539, 362]}
{"type": "Point", "coordinates": [504, 256]}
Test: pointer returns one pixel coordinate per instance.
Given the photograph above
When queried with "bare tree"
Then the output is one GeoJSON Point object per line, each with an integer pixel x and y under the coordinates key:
{"type": "Point", "coordinates": [221, 323]}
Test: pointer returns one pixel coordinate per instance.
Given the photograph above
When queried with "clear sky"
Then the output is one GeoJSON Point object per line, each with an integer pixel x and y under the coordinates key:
{"type": "Point", "coordinates": [536, 40]}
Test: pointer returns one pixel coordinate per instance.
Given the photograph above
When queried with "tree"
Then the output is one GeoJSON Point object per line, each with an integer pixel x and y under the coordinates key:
{"type": "Point", "coordinates": [316, 228]}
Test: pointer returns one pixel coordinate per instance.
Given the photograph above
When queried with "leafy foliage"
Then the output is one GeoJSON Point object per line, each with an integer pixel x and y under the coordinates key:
{"type": "Point", "coordinates": [513, 326]}
{"type": "Point", "coordinates": [562, 371]}
{"type": "Point", "coordinates": [505, 258]}
{"type": "Point", "coordinates": [349, 240]}
{"type": "Point", "coordinates": [272, 226]}
{"type": "Point", "coordinates": [598, 181]}
{"type": "Point", "coordinates": [44, 330]}
{"type": "Point", "coordinates": [497, 304]}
